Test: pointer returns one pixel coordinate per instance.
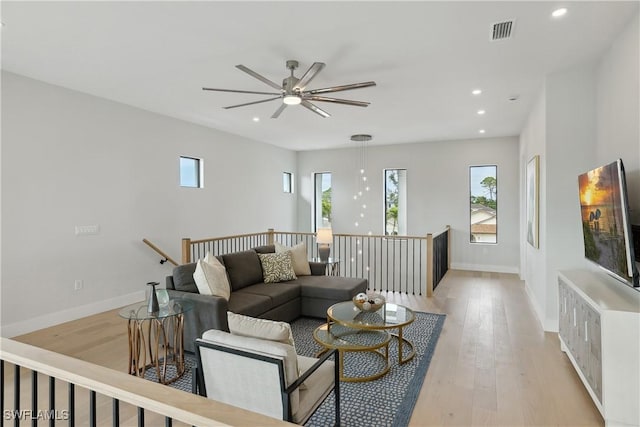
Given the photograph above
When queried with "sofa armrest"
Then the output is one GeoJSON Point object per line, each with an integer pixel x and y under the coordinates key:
{"type": "Point", "coordinates": [318, 268]}
{"type": "Point", "coordinates": [209, 312]}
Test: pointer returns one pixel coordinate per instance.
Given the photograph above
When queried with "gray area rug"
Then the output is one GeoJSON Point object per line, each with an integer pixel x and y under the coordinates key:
{"type": "Point", "coordinates": [388, 401]}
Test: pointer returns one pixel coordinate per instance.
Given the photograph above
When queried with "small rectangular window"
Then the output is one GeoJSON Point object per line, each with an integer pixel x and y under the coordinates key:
{"type": "Point", "coordinates": [322, 200]}
{"type": "Point", "coordinates": [395, 207]}
{"type": "Point", "coordinates": [190, 172]}
{"type": "Point", "coordinates": [483, 186]}
{"type": "Point", "coordinates": [287, 182]}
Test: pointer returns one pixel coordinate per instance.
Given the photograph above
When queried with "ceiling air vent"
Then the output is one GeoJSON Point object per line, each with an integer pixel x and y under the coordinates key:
{"type": "Point", "coordinates": [502, 30]}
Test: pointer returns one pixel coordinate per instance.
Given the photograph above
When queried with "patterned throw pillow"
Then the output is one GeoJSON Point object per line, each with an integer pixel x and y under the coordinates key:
{"type": "Point", "coordinates": [277, 267]}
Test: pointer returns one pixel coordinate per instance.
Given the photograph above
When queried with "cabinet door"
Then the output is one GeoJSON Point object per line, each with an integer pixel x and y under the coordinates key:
{"type": "Point", "coordinates": [563, 316]}
{"type": "Point", "coordinates": [595, 352]}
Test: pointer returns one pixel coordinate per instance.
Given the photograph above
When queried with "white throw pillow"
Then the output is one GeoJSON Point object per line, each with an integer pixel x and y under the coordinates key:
{"type": "Point", "coordinates": [265, 329]}
{"type": "Point", "coordinates": [271, 330]}
{"type": "Point", "coordinates": [298, 257]}
{"type": "Point", "coordinates": [211, 278]}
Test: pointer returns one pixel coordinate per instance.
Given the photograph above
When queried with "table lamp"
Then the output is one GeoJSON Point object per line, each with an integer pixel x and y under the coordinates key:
{"type": "Point", "coordinates": [324, 237]}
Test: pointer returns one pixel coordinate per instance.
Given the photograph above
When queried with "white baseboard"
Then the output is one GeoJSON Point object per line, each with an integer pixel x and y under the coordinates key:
{"type": "Point", "coordinates": [51, 319]}
{"type": "Point", "coordinates": [485, 267]}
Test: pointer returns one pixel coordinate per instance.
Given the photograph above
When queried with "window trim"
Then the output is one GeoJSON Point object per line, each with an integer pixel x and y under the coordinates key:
{"type": "Point", "coordinates": [495, 165]}
{"type": "Point", "coordinates": [200, 170]}
{"type": "Point", "coordinates": [315, 199]}
{"type": "Point", "coordinates": [384, 203]}
{"type": "Point", "coordinates": [289, 177]}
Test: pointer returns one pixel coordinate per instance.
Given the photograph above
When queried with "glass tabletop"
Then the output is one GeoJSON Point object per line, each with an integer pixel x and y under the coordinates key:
{"type": "Point", "coordinates": [345, 338]}
{"type": "Point", "coordinates": [389, 316]}
{"type": "Point", "coordinates": [138, 311]}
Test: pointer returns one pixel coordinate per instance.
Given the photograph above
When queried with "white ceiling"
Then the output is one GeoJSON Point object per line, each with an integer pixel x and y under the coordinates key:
{"type": "Point", "coordinates": [425, 57]}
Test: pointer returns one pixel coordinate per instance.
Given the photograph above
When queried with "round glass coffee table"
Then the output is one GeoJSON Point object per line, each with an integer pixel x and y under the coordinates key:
{"type": "Point", "coordinates": [346, 339]}
{"type": "Point", "coordinates": [161, 343]}
{"type": "Point", "coordinates": [390, 316]}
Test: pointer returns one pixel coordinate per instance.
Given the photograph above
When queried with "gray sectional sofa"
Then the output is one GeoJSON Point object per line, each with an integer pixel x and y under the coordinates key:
{"type": "Point", "coordinates": [285, 301]}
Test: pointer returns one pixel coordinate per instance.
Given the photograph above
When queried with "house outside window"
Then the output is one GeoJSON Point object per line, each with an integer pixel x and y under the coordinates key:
{"type": "Point", "coordinates": [395, 202]}
{"type": "Point", "coordinates": [483, 184]}
{"type": "Point", "coordinates": [322, 200]}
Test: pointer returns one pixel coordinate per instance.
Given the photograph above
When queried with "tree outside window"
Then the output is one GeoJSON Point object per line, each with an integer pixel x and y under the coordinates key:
{"type": "Point", "coordinates": [483, 184]}
{"type": "Point", "coordinates": [395, 202]}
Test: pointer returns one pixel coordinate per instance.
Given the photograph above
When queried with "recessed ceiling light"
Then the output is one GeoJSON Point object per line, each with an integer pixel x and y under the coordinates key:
{"type": "Point", "coordinates": [476, 91]}
{"type": "Point", "coordinates": [256, 119]}
{"type": "Point", "coordinates": [481, 112]}
{"type": "Point", "coordinates": [559, 12]}
{"type": "Point", "coordinates": [481, 131]}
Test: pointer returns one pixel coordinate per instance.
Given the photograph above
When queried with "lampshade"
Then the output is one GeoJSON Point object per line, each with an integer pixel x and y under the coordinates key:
{"type": "Point", "coordinates": [324, 236]}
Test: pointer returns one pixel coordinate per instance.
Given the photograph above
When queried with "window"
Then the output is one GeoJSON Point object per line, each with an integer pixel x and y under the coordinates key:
{"type": "Point", "coordinates": [395, 206]}
{"type": "Point", "coordinates": [287, 182]}
{"type": "Point", "coordinates": [190, 172]}
{"type": "Point", "coordinates": [322, 200]}
{"type": "Point", "coordinates": [483, 186]}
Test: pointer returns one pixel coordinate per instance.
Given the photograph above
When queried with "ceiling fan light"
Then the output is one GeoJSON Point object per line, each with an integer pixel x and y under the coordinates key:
{"type": "Point", "coordinates": [292, 99]}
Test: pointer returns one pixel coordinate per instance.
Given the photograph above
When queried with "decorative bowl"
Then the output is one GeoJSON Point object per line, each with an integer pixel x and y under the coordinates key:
{"type": "Point", "coordinates": [368, 302]}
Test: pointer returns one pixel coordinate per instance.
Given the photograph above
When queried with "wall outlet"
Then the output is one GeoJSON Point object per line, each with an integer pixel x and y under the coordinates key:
{"type": "Point", "coordinates": [87, 230]}
{"type": "Point", "coordinates": [77, 285]}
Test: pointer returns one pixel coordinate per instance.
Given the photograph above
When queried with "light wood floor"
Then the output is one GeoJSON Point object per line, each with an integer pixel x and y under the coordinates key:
{"type": "Point", "coordinates": [493, 364]}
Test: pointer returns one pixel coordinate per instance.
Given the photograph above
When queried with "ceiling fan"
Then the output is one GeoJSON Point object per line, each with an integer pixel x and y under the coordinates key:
{"type": "Point", "coordinates": [292, 91]}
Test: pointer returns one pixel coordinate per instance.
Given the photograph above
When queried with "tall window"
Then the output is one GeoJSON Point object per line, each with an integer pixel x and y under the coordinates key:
{"type": "Point", "coordinates": [483, 185]}
{"type": "Point", "coordinates": [395, 206]}
{"type": "Point", "coordinates": [287, 182]}
{"type": "Point", "coordinates": [190, 172]}
{"type": "Point", "coordinates": [322, 200]}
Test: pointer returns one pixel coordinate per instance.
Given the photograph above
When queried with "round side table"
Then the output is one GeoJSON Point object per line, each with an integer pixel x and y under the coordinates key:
{"type": "Point", "coordinates": [161, 343]}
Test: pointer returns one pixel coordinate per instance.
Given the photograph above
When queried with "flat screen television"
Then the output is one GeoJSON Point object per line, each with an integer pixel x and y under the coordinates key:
{"type": "Point", "coordinates": [608, 239]}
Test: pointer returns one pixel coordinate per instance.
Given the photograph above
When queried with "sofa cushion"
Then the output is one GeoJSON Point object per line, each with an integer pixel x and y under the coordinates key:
{"type": "Point", "coordinates": [249, 304]}
{"type": "Point", "coordinates": [277, 267]}
{"type": "Point", "coordinates": [331, 287]}
{"type": "Point", "coordinates": [266, 249]}
{"type": "Point", "coordinates": [298, 258]}
{"type": "Point", "coordinates": [279, 293]}
{"type": "Point", "coordinates": [243, 268]}
{"type": "Point", "coordinates": [183, 278]}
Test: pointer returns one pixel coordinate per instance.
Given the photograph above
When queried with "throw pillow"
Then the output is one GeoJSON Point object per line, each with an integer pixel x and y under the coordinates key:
{"type": "Point", "coordinates": [271, 330]}
{"type": "Point", "coordinates": [211, 278]}
{"type": "Point", "coordinates": [298, 256]}
{"type": "Point", "coordinates": [277, 267]}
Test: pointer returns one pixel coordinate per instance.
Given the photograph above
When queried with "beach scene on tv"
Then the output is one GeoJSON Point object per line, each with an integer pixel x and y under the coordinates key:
{"type": "Point", "coordinates": [602, 221]}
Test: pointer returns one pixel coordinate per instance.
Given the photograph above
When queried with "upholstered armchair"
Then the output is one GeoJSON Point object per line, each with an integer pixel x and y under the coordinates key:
{"type": "Point", "coordinates": [264, 376]}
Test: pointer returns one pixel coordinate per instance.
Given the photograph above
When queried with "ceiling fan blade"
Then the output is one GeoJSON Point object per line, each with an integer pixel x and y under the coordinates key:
{"type": "Point", "coordinates": [338, 101]}
{"type": "Point", "coordinates": [251, 103]}
{"type": "Point", "coordinates": [240, 91]}
{"type": "Point", "coordinates": [309, 75]}
{"type": "Point", "coordinates": [315, 109]}
{"type": "Point", "coordinates": [259, 77]}
{"type": "Point", "coordinates": [279, 110]}
{"type": "Point", "coordinates": [339, 88]}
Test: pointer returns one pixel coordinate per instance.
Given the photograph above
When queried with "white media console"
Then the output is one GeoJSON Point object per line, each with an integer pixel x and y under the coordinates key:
{"type": "Point", "coordinates": [600, 332]}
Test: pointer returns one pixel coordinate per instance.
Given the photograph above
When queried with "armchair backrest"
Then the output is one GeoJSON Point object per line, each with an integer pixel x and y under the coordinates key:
{"type": "Point", "coordinates": [249, 373]}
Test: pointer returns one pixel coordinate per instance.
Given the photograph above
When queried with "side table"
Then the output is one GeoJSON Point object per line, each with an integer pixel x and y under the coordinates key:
{"type": "Point", "coordinates": [332, 266]}
{"type": "Point", "coordinates": [161, 343]}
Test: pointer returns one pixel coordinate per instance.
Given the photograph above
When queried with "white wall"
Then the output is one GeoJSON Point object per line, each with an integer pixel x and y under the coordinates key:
{"type": "Point", "coordinates": [618, 98]}
{"type": "Point", "coordinates": [437, 193]}
{"type": "Point", "coordinates": [587, 116]}
{"type": "Point", "coordinates": [72, 159]}
{"type": "Point", "coordinates": [533, 267]}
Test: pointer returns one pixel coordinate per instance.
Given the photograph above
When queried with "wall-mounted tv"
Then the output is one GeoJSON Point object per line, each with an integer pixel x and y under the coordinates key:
{"type": "Point", "coordinates": [605, 221]}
